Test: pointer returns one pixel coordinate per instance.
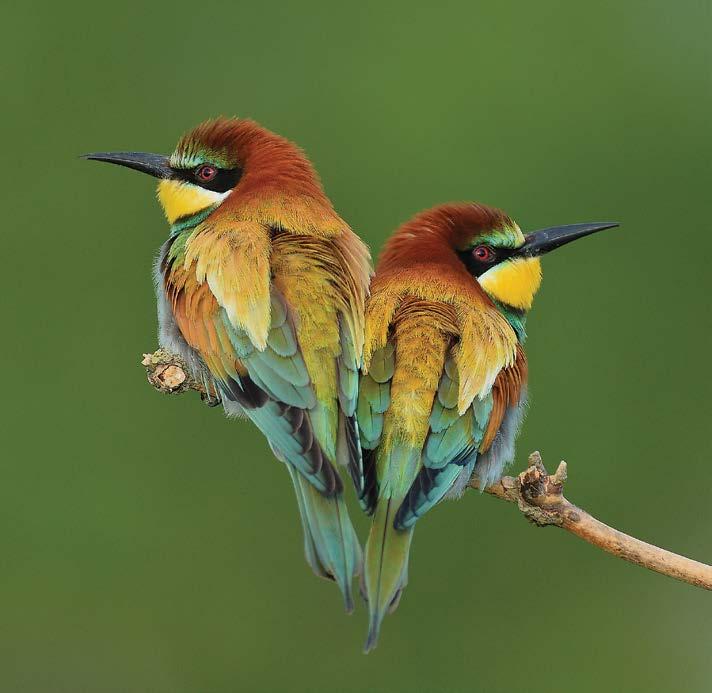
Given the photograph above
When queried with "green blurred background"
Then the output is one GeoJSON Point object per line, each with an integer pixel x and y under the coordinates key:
{"type": "Point", "coordinates": [148, 544]}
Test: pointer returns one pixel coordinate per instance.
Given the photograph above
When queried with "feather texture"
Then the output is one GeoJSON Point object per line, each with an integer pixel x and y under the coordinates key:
{"type": "Point", "coordinates": [268, 289]}
{"type": "Point", "coordinates": [443, 368]}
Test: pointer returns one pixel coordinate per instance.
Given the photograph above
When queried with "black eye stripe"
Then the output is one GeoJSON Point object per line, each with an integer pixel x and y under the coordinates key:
{"type": "Point", "coordinates": [225, 179]}
{"type": "Point", "coordinates": [479, 267]}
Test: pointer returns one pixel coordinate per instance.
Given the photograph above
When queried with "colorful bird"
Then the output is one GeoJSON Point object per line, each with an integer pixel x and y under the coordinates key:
{"type": "Point", "coordinates": [444, 383]}
{"type": "Point", "coordinates": [261, 289]}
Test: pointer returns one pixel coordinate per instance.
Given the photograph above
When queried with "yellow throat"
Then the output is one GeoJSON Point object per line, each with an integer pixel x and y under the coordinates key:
{"type": "Point", "coordinates": [181, 199]}
{"type": "Point", "coordinates": [513, 282]}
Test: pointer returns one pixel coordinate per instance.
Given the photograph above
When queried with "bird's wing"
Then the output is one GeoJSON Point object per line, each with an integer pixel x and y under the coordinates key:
{"type": "Point", "coordinates": [255, 342]}
{"type": "Point", "coordinates": [374, 398]}
{"type": "Point", "coordinates": [454, 440]}
{"type": "Point", "coordinates": [451, 446]}
{"type": "Point", "coordinates": [348, 443]}
{"type": "Point", "coordinates": [287, 419]}
{"type": "Point", "coordinates": [272, 385]}
{"type": "Point", "coordinates": [324, 282]}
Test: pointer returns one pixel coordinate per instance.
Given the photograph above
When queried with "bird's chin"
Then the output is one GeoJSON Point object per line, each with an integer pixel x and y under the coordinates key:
{"type": "Point", "coordinates": [182, 200]}
{"type": "Point", "coordinates": [513, 282]}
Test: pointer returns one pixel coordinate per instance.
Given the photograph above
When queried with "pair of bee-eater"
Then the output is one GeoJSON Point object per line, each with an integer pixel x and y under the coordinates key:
{"type": "Point", "coordinates": [412, 384]}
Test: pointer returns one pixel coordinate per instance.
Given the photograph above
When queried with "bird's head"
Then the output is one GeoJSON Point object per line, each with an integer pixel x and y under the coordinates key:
{"type": "Point", "coordinates": [488, 245]}
{"type": "Point", "coordinates": [213, 160]}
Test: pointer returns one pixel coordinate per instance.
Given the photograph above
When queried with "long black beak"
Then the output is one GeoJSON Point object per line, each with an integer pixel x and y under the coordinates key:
{"type": "Point", "coordinates": [540, 242]}
{"type": "Point", "coordinates": [155, 165]}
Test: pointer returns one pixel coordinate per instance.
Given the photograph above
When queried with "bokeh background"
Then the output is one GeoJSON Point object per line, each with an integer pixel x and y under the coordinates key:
{"type": "Point", "coordinates": [148, 544]}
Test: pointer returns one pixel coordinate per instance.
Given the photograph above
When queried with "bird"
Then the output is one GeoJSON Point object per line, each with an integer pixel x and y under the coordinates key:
{"type": "Point", "coordinates": [260, 288]}
{"type": "Point", "coordinates": [443, 389]}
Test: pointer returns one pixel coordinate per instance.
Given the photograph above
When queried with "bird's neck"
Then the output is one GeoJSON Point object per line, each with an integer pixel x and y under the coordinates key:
{"type": "Point", "coordinates": [191, 221]}
{"type": "Point", "coordinates": [516, 317]}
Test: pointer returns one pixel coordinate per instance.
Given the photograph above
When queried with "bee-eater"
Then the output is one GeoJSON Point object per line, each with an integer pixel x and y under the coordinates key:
{"type": "Point", "coordinates": [261, 288]}
{"type": "Point", "coordinates": [444, 383]}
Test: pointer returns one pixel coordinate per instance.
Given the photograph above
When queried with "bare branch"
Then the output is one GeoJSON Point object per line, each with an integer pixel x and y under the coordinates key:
{"type": "Point", "coordinates": [539, 496]}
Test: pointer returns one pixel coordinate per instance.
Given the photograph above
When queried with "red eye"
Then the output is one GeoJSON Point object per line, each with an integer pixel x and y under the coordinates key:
{"type": "Point", "coordinates": [483, 253]}
{"type": "Point", "coordinates": [206, 173]}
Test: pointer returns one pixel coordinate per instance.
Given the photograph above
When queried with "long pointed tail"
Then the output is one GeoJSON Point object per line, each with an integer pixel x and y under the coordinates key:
{"type": "Point", "coordinates": [331, 546]}
{"type": "Point", "coordinates": [386, 566]}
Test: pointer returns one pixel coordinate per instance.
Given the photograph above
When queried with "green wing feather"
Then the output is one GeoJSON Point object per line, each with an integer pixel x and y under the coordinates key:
{"type": "Point", "coordinates": [374, 398]}
{"type": "Point", "coordinates": [285, 415]}
{"type": "Point", "coordinates": [450, 448]}
{"type": "Point", "coordinates": [296, 425]}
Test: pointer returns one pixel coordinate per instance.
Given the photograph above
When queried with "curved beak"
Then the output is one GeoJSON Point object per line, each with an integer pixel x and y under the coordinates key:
{"type": "Point", "coordinates": [540, 242]}
{"type": "Point", "coordinates": [155, 165]}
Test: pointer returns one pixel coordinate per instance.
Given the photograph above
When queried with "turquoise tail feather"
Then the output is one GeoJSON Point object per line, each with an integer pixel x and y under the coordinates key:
{"type": "Point", "coordinates": [331, 546]}
{"type": "Point", "coordinates": [385, 566]}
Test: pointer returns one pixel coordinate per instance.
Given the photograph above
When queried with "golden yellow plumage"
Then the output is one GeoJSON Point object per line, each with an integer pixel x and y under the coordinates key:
{"type": "Point", "coordinates": [487, 342]}
{"type": "Point", "coordinates": [234, 259]}
{"type": "Point", "coordinates": [513, 283]}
